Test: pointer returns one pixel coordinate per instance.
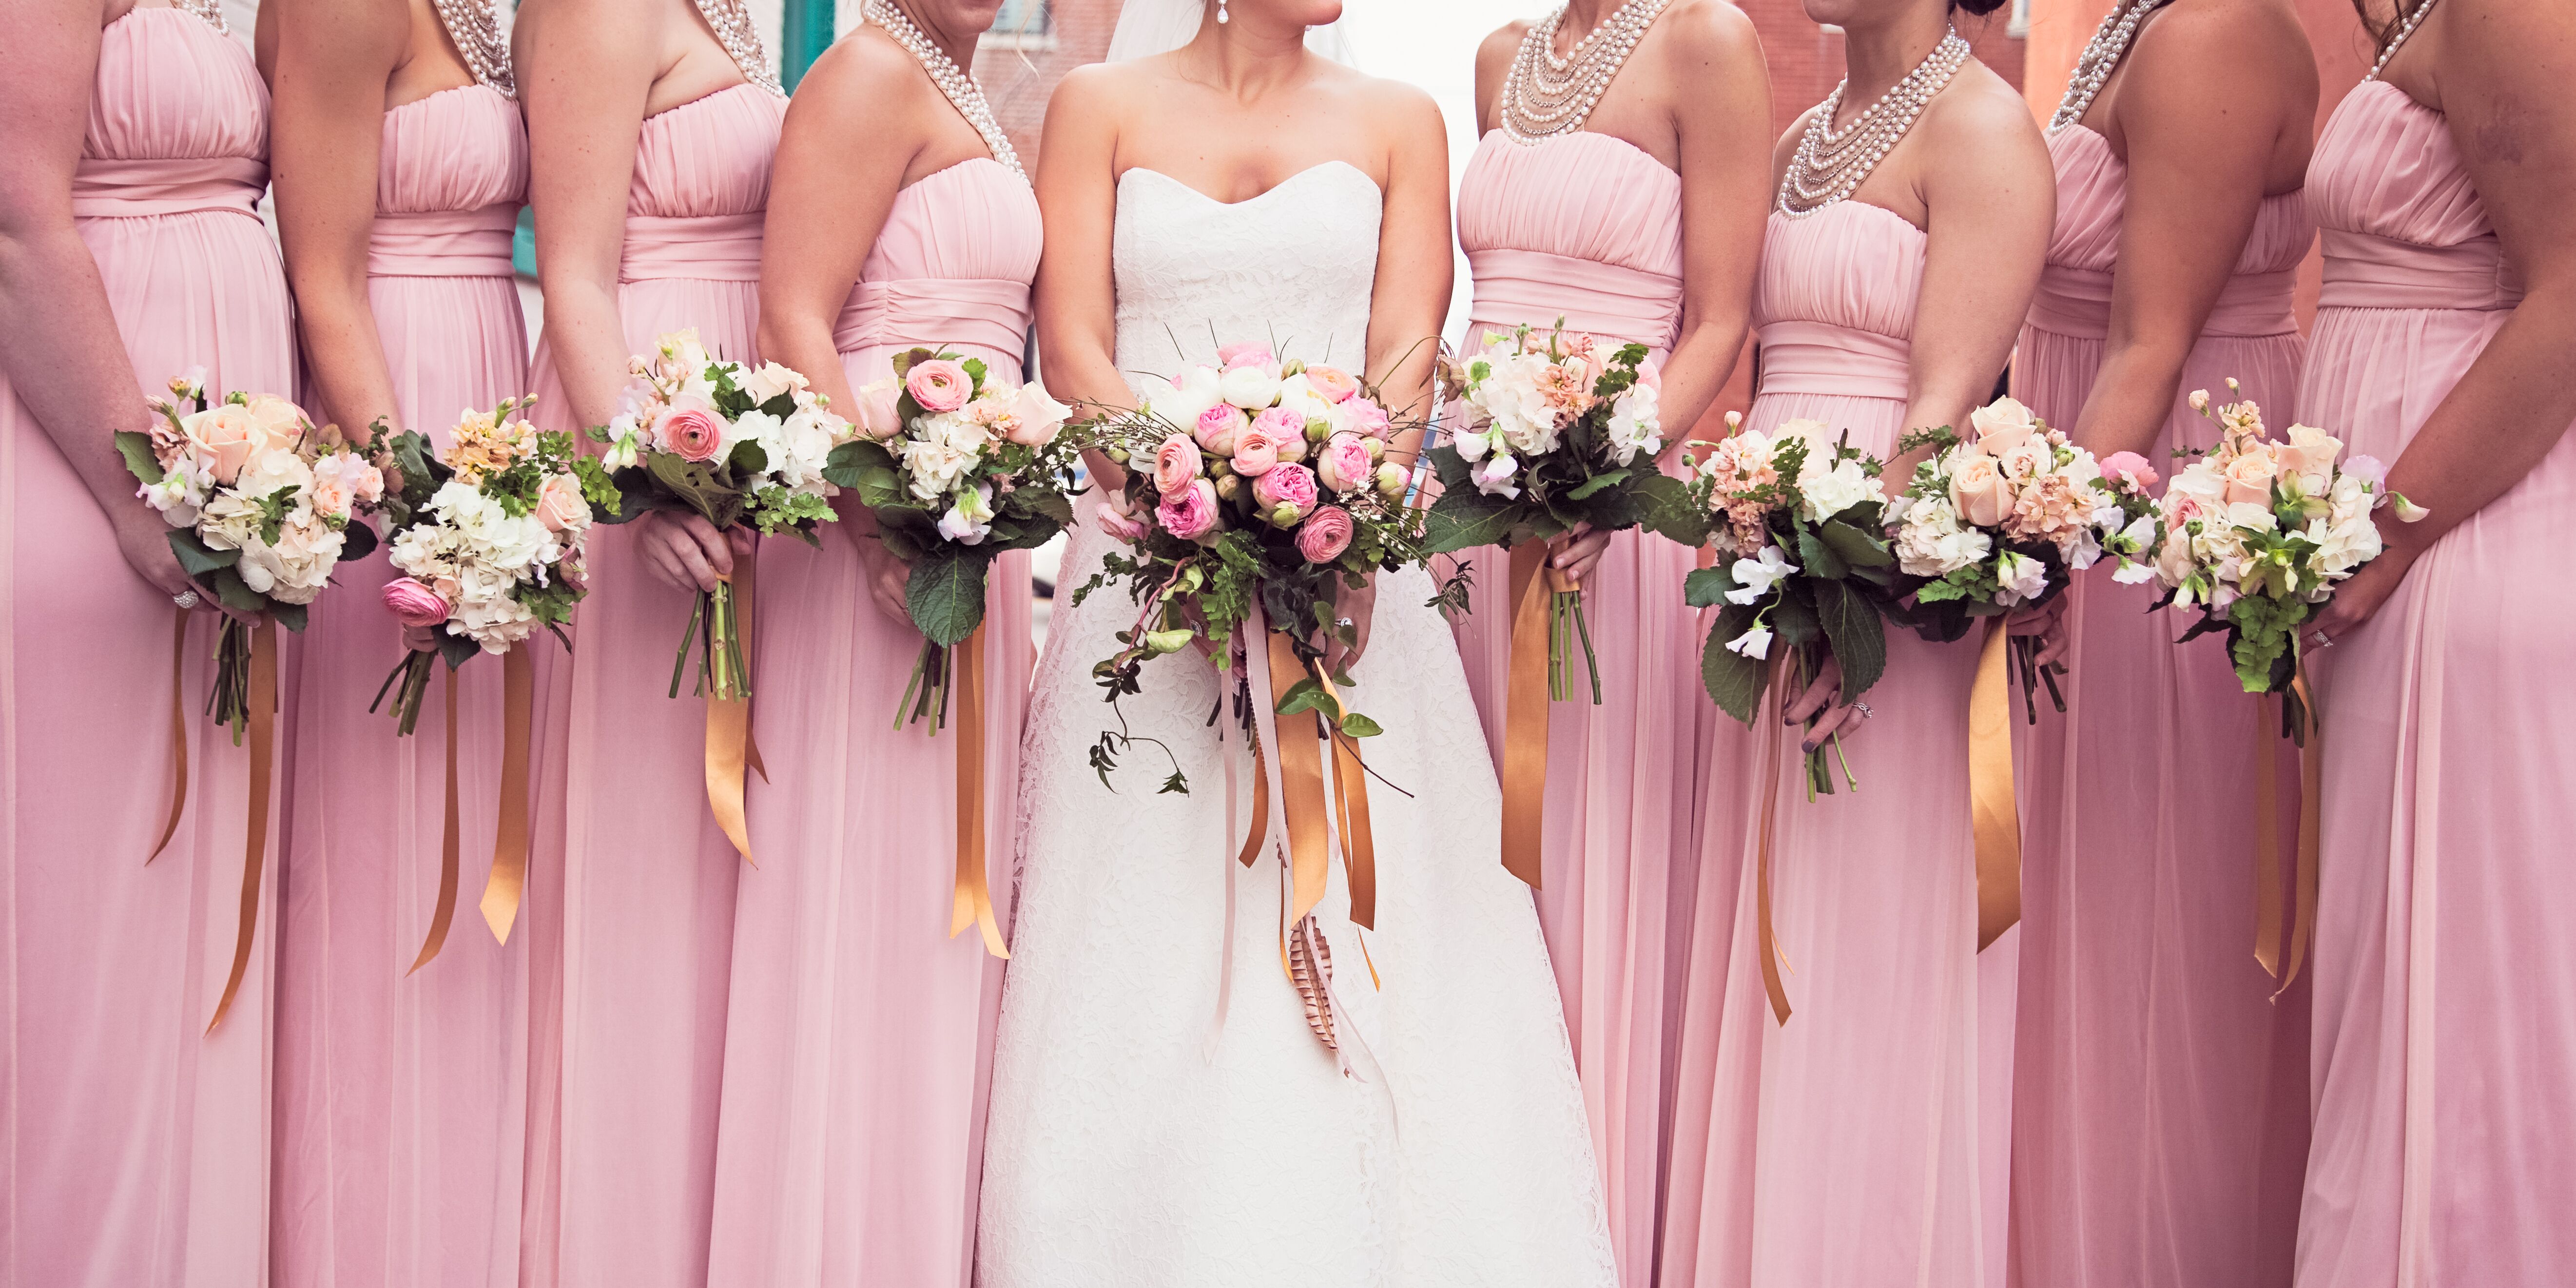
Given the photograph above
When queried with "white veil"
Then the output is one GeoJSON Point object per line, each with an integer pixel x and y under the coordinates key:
{"type": "Point", "coordinates": [1150, 27]}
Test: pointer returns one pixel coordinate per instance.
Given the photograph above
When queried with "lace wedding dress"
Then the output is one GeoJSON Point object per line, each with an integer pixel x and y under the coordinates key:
{"type": "Point", "coordinates": [1133, 1142]}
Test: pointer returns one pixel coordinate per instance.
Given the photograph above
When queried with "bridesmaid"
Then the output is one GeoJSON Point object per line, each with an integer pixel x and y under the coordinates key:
{"type": "Point", "coordinates": [400, 165]}
{"type": "Point", "coordinates": [2445, 1006]}
{"type": "Point", "coordinates": [856, 1049]}
{"type": "Point", "coordinates": [1845, 1146]}
{"type": "Point", "coordinates": [1638, 220]}
{"type": "Point", "coordinates": [2159, 1094]}
{"type": "Point", "coordinates": [651, 127]}
{"type": "Point", "coordinates": [130, 251]}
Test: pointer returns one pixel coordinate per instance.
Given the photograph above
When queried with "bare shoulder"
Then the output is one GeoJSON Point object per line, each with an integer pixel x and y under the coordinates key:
{"type": "Point", "coordinates": [2220, 40]}
{"type": "Point", "coordinates": [1982, 119]}
{"type": "Point", "coordinates": [1708, 31]}
{"type": "Point", "coordinates": [1496, 51]}
{"type": "Point", "coordinates": [866, 64]}
{"type": "Point", "coordinates": [1095, 92]}
{"type": "Point", "coordinates": [1399, 103]}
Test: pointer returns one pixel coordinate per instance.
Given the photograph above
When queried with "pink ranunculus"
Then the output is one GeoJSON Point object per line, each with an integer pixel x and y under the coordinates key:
{"type": "Point", "coordinates": [1332, 384]}
{"type": "Point", "coordinates": [2131, 467]}
{"type": "Point", "coordinates": [939, 385]}
{"type": "Point", "coordinates": [1176, 462]}
{"type": "Point", "coordinates": [1217, 427]}
{"type": "Point", "coordinates": [1245, 355]}
{"type": "Point", "coordinates": [1343, 464]}
{"type": "Point", "coordinates": [1114, 519]}
{"type": "Point", "coordinates": [1325, 534]}
{"type": "Point", "coordinates": [691, 432]}
{"type": "Point", "coordinates": [1292, 486]}
{"type": "Point", "coordinates": [1281, 423]}
{"type": "Point", "coordinates": [1367, 419]}
{"type": "Point", "coordinates": [560, 504]}
{"type": "Point", "coordinates": [414, 604]}
{"type": "Point", "coordinates": [1189, 513]}
{"type": "Point", "coordinates": [2370, 470]}
{"type": "Point", "coordinates": [1256, 450]}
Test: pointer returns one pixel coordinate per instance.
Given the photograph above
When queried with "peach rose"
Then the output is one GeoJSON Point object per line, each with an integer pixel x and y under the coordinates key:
{"type": "Point", "coordinates": [2249, 477]}
{"type": "Point", "coordinates": [1979, 491]}
{"type": "Point", "coordinates": [2002, 425]}
{"type": "Point", "coordinates": [560, 504]}
{"type": "Point", "coordinates": [1332, 384]}
{"type": "Point", "coordinates": [225, 435]}
{"type": "Point", "coordinates": [878, 415]}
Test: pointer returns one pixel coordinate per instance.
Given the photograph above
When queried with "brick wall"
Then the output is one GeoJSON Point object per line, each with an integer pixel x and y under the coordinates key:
{"type": "Point", "coordinates": [1020, 71]}
{"type": "Point", "coordinates": [1807, 60]}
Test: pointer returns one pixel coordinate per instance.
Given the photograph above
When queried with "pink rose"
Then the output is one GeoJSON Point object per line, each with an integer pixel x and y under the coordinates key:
{"type": "Point", "coordinates": [1245, 355]}
{"type": "Point", "coordinates": [1114, 519]}
{"type": "Point", "coordinates": [1332, 384]}
{"type": "Point", "coordinates": [2002, 425]}
{"type": "Point", "coordinates": [1176, 462]}
{"type": "Point", "coordinates": [2370, 470]}
{"type": "Point", "coordinates": [1189, 513]}
{"type": "Point", "coordinates": [282, 421]}
{"type": "Point", "coordinates": [1286, 488]}
{"type": "Point", "coordinates": [1217, 427]}
{"type": "Point", "coordinates": [560, 504]}
{"type": "Point", "coordinates": [2130, 467]}
{"type": "Point", "coordinates": [1367, 419]}
{"type": "Point", "coordinates": [225, 435]}
{"type": "Point", "coordinates": [939, 385]}
{"type": "Point", "coordinates": [691, 432]}
{"type": "Point", "coordinates": [1325, 534]}
{"type": "Point", "coordinates": [878, 417]}
{"type": "Point", "coordinates": [414, 604]}
{"type": "Point", "coordinates": [1036, 418]}
{"type": "Point", "coordinates": [1255, 451]}
{"type": "Point", "coordinates": [1344, 465]}
{"type": "Point", "coordinates": [1979, 491]}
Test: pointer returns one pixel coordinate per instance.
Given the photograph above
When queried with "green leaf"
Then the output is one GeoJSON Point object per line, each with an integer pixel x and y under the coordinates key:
{"type": "Point", "coordinates": [1304, 695]}
{"type": "Point", "coordinates": [1047, 501]}
{"type": "Point", "coordinates": [1463, 520]}
{"type": "Point", "coordinates": [1451, 469]}
{"type": "Point", "coordinates": [1664, 507]}
{"type": "Point", "coordinates": [1707, 587]}
{"type": "Point", "coordinates": [235, 595]}
{"type": "Point", "coordinates": [946, 597]}
{"type": "Point", "coordinates": [196, 558]}
{"type": "Point", "coordinates": [1734, 681]}
{"type": "Point", "coordinates": [1794, 618]}
{"type": "Point", "coordinates": [841, 468]}
{"type": "Point", "coordinates": [1597, 482]}
{"type": "Point", "coordinates": [1859, 638]}
{"type": "Point", "coordinates": [290, 616]}
{"type": "Point", "coordinates": [1356, 725]}
{"type": "Point", "coordinates": [136, 447]}
{"type": "Point", "coordinates": [457, 649]}
{"type": "Point", "coordinates": [1857, 548]}
{"type": "Point", "coordinates": [1818, 559]}
{"type": "Point", "coordinates": [357, 541]}
{"type": "Point", "coordinates": [749, 458]}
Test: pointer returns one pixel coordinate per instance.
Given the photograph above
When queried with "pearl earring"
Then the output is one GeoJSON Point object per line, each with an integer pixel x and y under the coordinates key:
{"type": "Point", "coordinates": [1221, 16]}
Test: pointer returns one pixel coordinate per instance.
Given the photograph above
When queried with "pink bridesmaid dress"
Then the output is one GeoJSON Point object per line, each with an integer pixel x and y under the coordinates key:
{"type": "Point", "coordinates": [2443, 1056]}
{"type": "Point", "coordinates": [1587, 227]}
{"type": "Point", "coordinates": [1844, 1149]}
{"type": "Point", "coordinates": [637, 926]}
{"type": "Point", "coordinates": [2159, 1111]}
{"type": "Point", "coordinates": [858, 1046]}
{"type": "Point", "coordinates": [402, 1098]}
{"type": "Point", "coordinates": [137, 1146]}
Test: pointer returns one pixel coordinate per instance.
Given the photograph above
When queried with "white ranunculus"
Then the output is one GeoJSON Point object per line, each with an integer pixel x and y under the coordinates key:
{"type": "Point", "coordinates": [1251, 388]}
{"type": "Point", "coordinates": [1755, 577]}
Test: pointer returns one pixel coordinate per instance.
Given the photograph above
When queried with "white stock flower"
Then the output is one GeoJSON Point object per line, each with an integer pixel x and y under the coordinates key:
{"type": "Point", "coordinates": [1634, 423]}
{"type": "Point", "coordinates": [1755, 577]}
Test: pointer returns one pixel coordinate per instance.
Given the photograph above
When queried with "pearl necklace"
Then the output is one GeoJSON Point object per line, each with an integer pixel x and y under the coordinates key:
{"type": "Point", "coordinates": [1826, 168]}
{"type": "Point", "coordinates": [731, 21]}
{"type": "Point", "coordinates": [2398, 41]}
{"type": "Point", "coordinates": [476, 28]}
{"type": "Point", "coordinates": [2101, 57]}
{"type": "Point", "coordinates": [1545, 95]}
{"type": "Point", "coordinates": [961, 88]}
{"type": "Point", "coordinates": [210, 10]}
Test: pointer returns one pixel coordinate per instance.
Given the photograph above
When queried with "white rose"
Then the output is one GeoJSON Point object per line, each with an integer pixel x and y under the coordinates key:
{"type": "Point", "coordinates": [770, 381]}
{"type": "Point", "coordinates": [1183, 401]}
{"type": "Point", "coordinates": [1828, 492]}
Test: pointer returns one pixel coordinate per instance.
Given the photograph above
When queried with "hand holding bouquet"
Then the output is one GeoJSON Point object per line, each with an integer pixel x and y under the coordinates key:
{"type": "Point", "coordinates": [1796, 518]}
{"type": "Point", "coordinates": [1558, 433]}
{"type": "Point", "coordinates": [957, 467]}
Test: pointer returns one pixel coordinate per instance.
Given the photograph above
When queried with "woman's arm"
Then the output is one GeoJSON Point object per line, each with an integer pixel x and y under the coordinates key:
{"type": "Point", "coordinates": [59, 346]}
{"type": "Point", "coordinates": [1077, 302]}
{"type": "Point", "coordinates": [327, 86]}
{"type": "Point", "coordinates": [2203, 107]}
{"type": "Point", "coordinates": [1415, 261]}
{"type": "Point", "coordinates": [2502, 67]}
{"type": "Point", "coordinates": [1720, 91]}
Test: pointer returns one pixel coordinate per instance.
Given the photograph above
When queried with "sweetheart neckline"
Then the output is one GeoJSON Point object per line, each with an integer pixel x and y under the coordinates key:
{"type": "Point", "coordinates": [1312, 169]}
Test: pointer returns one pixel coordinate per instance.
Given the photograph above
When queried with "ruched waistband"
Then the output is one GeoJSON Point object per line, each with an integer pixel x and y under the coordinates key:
{"type": "Point", "coordinates": [980, 312]}
{"type": "Point", "coordinates": [2365, 271]}
{"type": "Point", "coordinates": [442, 243]}
{"type": "Point", "coordinates": [1821, 358]}
{"type": "Point", "coordinates": [1537, 288]}
{"type": "Point", "coordinates": [121, 189]}
{"type": "Point", "coordinates": [702, 248]}
{"type": "Point", "coordinates": [2077, 302]}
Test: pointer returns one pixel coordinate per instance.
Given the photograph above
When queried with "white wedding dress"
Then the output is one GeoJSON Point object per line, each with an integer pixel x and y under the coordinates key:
{"type": "Point", "coordinates": [1124, 1148]}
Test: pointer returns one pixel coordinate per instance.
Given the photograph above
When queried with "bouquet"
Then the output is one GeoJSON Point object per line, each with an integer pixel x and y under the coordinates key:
{"type": "Point", "coordinates": [736, 447]}
{"type": "Point", "coordinates": [1259, 491]}
{"type": "Point", "coordinates": [261, 505]}
{"type": "Point", "coordinates": [1796, 520]}
{"type": "Point", "coordinates": [488, 537]}
{"type": "Point", "coordinates": [957, 467]}
{"type": "Point", "coordinates": [2257, 532]}
{"type": "Point", "coordinates": [1556, 433]}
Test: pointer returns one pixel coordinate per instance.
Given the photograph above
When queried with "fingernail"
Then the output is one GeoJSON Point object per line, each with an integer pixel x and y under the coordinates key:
{"type": "Point", "coordinates": [1807, 747]}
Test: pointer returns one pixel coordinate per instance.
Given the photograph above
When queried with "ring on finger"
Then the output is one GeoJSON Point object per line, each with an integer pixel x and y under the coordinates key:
{"type": "Point", "coordinates": [2321, 639]}
{"type": "Point", "coordinates": [185, 599]}
{"type": "Point", "coordinates": [1862, 708]}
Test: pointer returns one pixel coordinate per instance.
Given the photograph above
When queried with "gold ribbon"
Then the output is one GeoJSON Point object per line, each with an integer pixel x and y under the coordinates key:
{"type": "Point", "coordinates": [509, 878]}
{"type": "Point", "coordinates": [1351, 814]}
{"type": "Point", "coordinates": [1768, 946]}
{"type": "Point", "coordinates": [447, 846]}
{"type": "Point", "coordinates": [1990, 790]}
{"type": "Point", "coordinates": [1301, 789]}
{"type": "Point", "coordinates": [263, 749]}
{"type": "Point", "coordinates": [178, 733]}
{"type": "Point", "coordinates": [729, 731]}
{"type": "Point", "coordinates": [1525, 713]}
{"type": "Point", "coordinates": [2267, 840]}
{"type": "Point", "coordinates": [973, 902]}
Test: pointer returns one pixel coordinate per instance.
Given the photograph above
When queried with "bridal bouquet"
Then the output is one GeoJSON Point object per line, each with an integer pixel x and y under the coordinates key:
{"type": "Point", "coordinates": [261, 504]}
{"type": "Point", "coordinates": [1258, 492]}
{"type": "Point", "coordinates": [735, 446]}
{"type": "Point", "coordinates": [957, 466]}
{"type": "Point", "coordinates": [1796, 518]}
{"type": "Point", "coordinates": [489, 537]}
{"type": "Point", "coordinates": [1556, 432]}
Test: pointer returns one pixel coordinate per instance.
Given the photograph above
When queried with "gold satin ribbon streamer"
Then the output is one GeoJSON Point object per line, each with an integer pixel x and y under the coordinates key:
{"type": "Point", "coordinates": [1301, 787]}
{"type": "Point", "coordinates": [2267, 842]}
{"type": "Point", "coordinates": [729, 738]}
{"type": "Point", "coordinates": [1351, 813]}
{"type": "Point", "coordinates": [1525, 712]}
{"type": "Point", "coordinates": [178, 733]}
{"type": "Point", "coordinates": [509, 878]}
{"type": "Point", "coordinates": [1990, 790]}
{"type": "Point", "coordinates": [1260, 809]}
{"type": "Point", "coordinates": [973, 901]}
{"type": "Point", "coordinates": [263, 750]}
{"type": "Point", "coordinates": [1766, 944]}
{"type": "Point", "coordinates": [447, 846]}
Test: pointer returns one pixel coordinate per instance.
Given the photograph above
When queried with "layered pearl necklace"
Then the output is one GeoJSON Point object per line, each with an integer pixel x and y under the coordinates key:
{"type": "Point", "coordinates": [962, 90]}
{"type": "Point", "coordinates": [1827, 168]}
{"type": "Point", "coordinates": [1545, 95]}
{"type": "Point", "coordinates": [2101, 57]}
{"type": "Point", "coordinates": [731, 21]}
{"type": "Point", "coordinates": [2398, 41]}
{"type": "Point", "coordinates": [476, 29]}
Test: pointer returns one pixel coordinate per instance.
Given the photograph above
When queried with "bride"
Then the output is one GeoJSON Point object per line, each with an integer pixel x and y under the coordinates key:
{"type": "Point", "coordinates": [1160, 1114]}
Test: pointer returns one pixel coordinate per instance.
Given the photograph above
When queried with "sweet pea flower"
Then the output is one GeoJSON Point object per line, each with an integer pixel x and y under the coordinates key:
{"type": "Point", "coordinates": [1494, 476]}
{"type": "Point", "coordinates": [1754, 643]}
{"type": "Point", "coordinates": [1286, 488]}
{"type": "Point", "coordinates": [2370, 470]}
{"type": "Point", "coordinates": [939, 385]}
{"type": "Point", "coordinates": [1189, 513]}
{"type": "Point", "coordinates": [970, 517]}
{"type": "Point", "coordinates": [1755, 577]}
{"type": "Point", "coordinates": [1325, 534]}
{"type": "Point", "coordinates": [1176, 462]}
{"type": "Point", "coordinates": [2021, 579]}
